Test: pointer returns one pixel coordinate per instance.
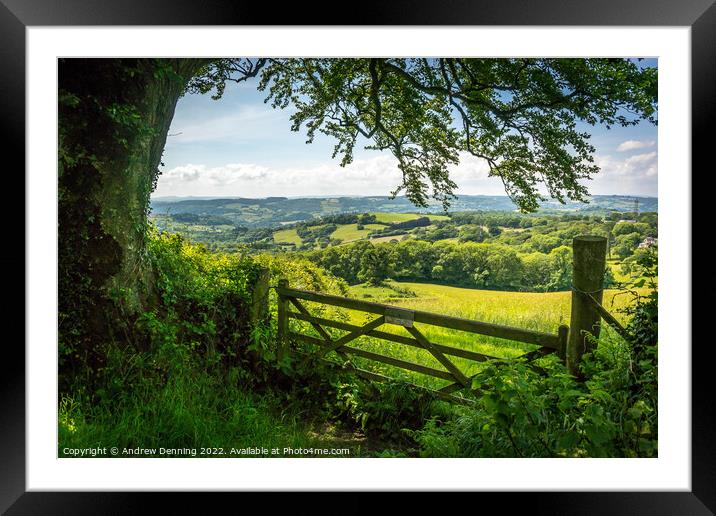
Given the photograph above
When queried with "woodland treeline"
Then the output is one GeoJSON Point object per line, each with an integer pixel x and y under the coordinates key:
{"type": "Point", "coordinates": [492, 250]}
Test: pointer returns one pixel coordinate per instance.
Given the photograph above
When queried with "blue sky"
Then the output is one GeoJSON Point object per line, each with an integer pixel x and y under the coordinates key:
{"type": "Point", "coordinates": [239, 146]}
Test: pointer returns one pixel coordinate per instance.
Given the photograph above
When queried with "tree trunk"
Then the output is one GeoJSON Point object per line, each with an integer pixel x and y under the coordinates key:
{"type": "Point", "coordinates": [114, 115]}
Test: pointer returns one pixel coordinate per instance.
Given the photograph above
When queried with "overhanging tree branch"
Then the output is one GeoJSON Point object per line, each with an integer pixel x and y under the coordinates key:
{"type": "Point", "coordinates": [519, 115]}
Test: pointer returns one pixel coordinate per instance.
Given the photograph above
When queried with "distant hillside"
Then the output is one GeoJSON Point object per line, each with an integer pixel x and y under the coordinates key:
{"type": "Point", "coordinates": [274, 211]}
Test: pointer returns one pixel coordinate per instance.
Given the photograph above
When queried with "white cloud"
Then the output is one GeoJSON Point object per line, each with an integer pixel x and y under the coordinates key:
{"type": "Point", "coordinates": [200, 177]}
{"type": "Point", "coordinates": [635, 175]}
{"type": "Point", "coordinates": [379, 175]}
{"type": "Point", "coordinates": [630, 145]}
{"type": "Point", "coordinates": [634, 167]}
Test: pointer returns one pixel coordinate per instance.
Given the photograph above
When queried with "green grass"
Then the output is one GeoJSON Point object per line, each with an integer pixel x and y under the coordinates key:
{"type": "Point", "coordinates": [388, 218]}
{"type": "Point", "coordinates": [350, 232]}
{"type": "Point", "coordinates": [534, 311]}
{"type": "Point", "coordinates": [288, 235]}
{"type": "Point", "coordinates": [193, 409]}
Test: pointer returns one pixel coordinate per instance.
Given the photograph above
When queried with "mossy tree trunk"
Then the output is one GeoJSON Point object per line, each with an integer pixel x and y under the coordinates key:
{"type": "Point", "coordinates": [114, 115]}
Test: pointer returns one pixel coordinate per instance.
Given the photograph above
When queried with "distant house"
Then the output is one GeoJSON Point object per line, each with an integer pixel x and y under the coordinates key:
{"type": "Point", "coordinates": [648, 242]}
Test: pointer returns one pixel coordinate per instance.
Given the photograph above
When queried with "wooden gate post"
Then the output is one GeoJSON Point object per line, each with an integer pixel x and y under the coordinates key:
{"type": "Point", "coordinates": [282, 320]}
{"type": "Point", "coordinates": [589, 263]}
{"type": "Point", "coordinates": [563, 333]}
{"type": "Point", "coordinates": [259, 298]}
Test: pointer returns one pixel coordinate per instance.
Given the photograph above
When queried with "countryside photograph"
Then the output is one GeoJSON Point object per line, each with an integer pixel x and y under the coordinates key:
{"type": "Point", "coordinates": [408, 257]}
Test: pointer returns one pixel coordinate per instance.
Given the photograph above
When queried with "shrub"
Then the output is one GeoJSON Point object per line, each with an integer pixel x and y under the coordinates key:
{"type": "Point", "coordinates": [203, 299]}
{"type": "Point", "coordinates": [384, 410]}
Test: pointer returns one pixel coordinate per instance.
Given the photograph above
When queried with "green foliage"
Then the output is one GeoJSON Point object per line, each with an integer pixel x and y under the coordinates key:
{"type": "Point", "coordinates": [186, 270]}
{"type": "Point", "coordinates": [375, 267]}
{"type": "Point", "coordinates": [644, 330]}
{"type": "Point", "coordinates": [315, 235]}
{"type": "Point", "coordinates": [200, 311]}
{"type": "Point", "coordinates": [530, 254]}
{"type": "Point", "coordinates": [545, 243]}
{"type": "Point", "coordinates": [523, 411]}
{"type": "Point", "coordinates": [471, 233]}
{"type": "Point", "coordinates": [469, 265]}
{"type": "Point", "coordinates": [625, 228]}
{"type": "Point", "coordinates": [301, 273]}
{"type": "Point", "coordinates": [634, 265]}
{"type": "Point", "coordinates": [210, 222]}
{"type": "Point", "coordinates": [203, 298]}
{"type": "Point", "coordinates": [625, 245]}
{"type": "Point", "coordinates": [384, 410]}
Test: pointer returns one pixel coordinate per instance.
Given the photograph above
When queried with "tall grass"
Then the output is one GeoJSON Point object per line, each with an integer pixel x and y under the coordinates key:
{"type": "Point", "coordinates": [193, 408]}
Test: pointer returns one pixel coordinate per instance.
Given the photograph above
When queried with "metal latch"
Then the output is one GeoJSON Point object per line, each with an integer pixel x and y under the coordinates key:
{"type": "Point", "coordinates": [399, 316]}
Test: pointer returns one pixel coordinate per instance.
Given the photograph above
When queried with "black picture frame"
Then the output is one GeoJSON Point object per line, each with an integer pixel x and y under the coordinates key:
{"type": "Point", "coordinates": [17, 15]}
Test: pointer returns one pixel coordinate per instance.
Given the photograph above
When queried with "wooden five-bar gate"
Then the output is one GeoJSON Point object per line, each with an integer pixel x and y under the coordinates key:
{"type": "Point", "coordinates": [385, 315]}
{"type": "Point", "coordinates": [568, 342]}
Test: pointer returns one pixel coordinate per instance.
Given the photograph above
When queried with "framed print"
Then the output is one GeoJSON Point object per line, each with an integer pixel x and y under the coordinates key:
{"type": "Point", "coordinates": [206, 293]}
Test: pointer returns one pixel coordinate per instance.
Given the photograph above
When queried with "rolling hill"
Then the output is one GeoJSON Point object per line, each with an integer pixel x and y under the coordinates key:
{"type": "Point", "coordinates": [275, 211]}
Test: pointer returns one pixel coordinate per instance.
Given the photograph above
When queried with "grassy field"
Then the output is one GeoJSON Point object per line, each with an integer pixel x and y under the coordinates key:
{"type": "Point", "coordinates": [536, 311]}
{"type": "Point", "coordinates": [616, 267]}
{"type": "Point", "coordinates": [388, 218]}
{"type": "Point", "coordinates": [350, 232]}
{"type": "Point", "coordinates": [287, 235]}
